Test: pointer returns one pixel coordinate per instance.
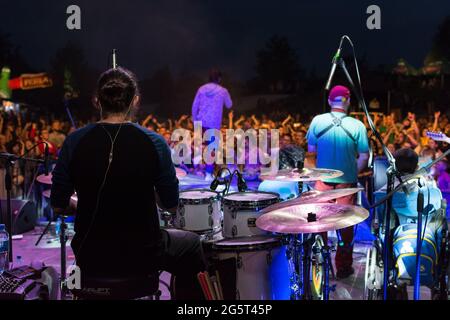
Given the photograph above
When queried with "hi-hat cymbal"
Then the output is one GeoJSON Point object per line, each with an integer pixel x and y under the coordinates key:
{"type": "Point", "coordinates": [47, 194]}
{"type": "Point", "coordinates": [313, 196]}
{"type": "Point", "coordinates": [328, 217]}
{"type": "Point", "coordinates": [73, 198]}
{"type": "Point", "coordinates": [45, 179]}
{"type": "Point", "coordinates": [305, 175]}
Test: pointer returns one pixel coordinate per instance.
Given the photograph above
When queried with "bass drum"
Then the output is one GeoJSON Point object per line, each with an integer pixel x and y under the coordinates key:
{"type": "Point", "coordinates": [253, 268]}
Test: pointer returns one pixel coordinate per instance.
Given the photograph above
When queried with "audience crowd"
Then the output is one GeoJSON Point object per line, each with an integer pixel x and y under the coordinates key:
{"type": "Point", "coordinates": [20, 135]}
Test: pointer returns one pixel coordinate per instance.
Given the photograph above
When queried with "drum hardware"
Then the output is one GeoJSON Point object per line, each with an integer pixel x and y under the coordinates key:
{"type": "Point", "coordinates": [63, 240]}
{"type": "Point", "coordinates": [269, 257]}
{"type": "Point", "coordinates": [251, 222]}
{"type": "Point", "coordinates": [181, 209]}
{"type": "Point", "coordinates": [302, 223]}
{"type": "Point", "coordinates": [8, 163]}
{"type": "Point", "coordinates": [239, 261]}
{"type": "Point", "coordinates": [233, 212]}
{"type": "Point", "coordinates": [182, 223]}
{"type": "Point", "coordinates": [234, 231]}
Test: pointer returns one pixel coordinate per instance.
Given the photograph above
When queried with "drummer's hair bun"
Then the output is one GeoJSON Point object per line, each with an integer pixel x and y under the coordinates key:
{"type": "Point", "coordinates": [116, 89]}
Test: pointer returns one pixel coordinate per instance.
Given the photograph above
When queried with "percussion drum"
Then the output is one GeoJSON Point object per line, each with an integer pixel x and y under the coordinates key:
{"type": "Point", "coordinates": [261, 267]}
{"type": "Point", "coordinates": [240, 211]}
{"type": "Point", "coordinates": [380, 165]}
{"type": "Point", "coordinates": [199, 211]}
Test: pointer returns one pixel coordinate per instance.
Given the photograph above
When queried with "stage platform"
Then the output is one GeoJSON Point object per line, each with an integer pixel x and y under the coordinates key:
{"type": "Point", "coordinates": [48, 252]}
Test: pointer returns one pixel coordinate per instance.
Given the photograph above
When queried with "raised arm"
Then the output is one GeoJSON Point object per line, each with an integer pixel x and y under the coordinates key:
{"type": "Point", "coordinates": [436, 120]}
{"type": "Point", "coordinates": [230, 119]}
{"type": "Point", "coordinates": [285, 121]}
{"type": "Point", "coordinates": [147, 120]}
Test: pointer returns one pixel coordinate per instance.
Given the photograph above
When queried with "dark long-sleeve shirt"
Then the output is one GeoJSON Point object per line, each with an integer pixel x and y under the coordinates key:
{"type": "Point", "coordinates": [123, 236]}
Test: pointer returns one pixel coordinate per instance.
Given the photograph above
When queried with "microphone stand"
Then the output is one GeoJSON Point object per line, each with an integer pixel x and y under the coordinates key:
{"type": "Point", "coordinates": [418, 244]}
{"type": "Point", "coordinates": [9, 161]}
{"type": "Point", "coordinates": [420, 201]}
{"type": "Point", "coordinates": [391, 174]}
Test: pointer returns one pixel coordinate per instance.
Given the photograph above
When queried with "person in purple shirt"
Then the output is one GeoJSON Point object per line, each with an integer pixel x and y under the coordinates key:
{"type": "Point", "coordinates": [207, 108]}
{"type": "Point", "coordinates": [209, 101]}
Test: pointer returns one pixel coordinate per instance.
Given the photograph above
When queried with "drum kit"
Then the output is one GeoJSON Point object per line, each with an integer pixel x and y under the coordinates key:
{"type": "Point", "coordinates": [271, 243]}
{"type": "Point", "coordinates": [275, 249]}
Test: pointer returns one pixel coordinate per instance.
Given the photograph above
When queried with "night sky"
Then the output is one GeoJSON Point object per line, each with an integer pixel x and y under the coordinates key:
{"type": "Point", "coordinates": [192, 35]}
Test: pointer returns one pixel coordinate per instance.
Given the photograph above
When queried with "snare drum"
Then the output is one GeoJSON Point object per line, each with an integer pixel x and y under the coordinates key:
{"type": "Point", "coordinates": [260, 267]}
{"type": "Point", "coordinates": [199, 211]}
{"type": "Point", "coordinates": [240, 211]}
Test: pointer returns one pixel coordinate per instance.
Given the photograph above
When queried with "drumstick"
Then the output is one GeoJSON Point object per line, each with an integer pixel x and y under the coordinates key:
{"type": "Point", "coordinates": [216, 288]}
{"type": "Point", "coordinates": [203, 285]}
{"type": "Point", "coordinates": [207, 286]}
{"type": "Point", "coordinates": [208, 282]}
{"type": "Point", "coordinates": [220, 285]}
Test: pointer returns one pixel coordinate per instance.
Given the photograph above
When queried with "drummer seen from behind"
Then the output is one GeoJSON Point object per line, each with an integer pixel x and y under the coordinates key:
{"type": "Point", "coordinates": [338, 141]}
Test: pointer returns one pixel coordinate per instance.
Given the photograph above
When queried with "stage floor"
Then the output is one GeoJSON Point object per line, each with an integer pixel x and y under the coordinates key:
{"type": "Point", "coordinates": [48, 252]}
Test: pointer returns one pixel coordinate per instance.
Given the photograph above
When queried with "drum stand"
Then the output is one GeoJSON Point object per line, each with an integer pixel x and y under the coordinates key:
{"type": "Point", "coordinates": [8, 218]}
{"type": "Point", "coordinates": [63, 241]}
{"type": "Point", "coordinates": [298, 252]}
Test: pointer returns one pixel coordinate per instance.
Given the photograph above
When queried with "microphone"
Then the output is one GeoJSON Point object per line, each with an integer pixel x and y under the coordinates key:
{"type": "Point", "coordinates": [300, 165]}
{"type": "Point", "coordinates": [242, 185]}
{"type": "Point", "coordinates": [334, 64]}
{"type": "Point", "coordinates": [214, 184]}
{"type": "Point", "coordinates": [46, 158]}
{"type": "Point", "coordinates": [114, 59]}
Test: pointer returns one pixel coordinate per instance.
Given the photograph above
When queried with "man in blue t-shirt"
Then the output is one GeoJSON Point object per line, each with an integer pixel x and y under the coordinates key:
{"type": "Point", "coordinates": [339, 142]}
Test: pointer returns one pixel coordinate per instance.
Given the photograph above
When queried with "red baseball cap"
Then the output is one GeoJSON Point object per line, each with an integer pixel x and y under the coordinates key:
{"type": "Point", "coordinates": [339, 92]}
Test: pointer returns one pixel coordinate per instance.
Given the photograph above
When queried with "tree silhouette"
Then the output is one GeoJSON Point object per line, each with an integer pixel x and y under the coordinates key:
{"type": "Point", "coordinates": [73, 78]}
{"type": "Point", "coordinates": [441, 46]}
{"type": "Point", "coordinates": [10, 56]}
{"type": "Point", "coordinates": [277, 65]}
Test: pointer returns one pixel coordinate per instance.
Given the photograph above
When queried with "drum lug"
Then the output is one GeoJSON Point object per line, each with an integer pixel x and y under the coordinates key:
{"type": "Point", "coordinates": [210, 209]}
{"type": "Point", "coordinates": [210, 221]}
{"type": "Point", "coordinates": [269, 258]}
{"type": "Point", "coordinates": [181, 210]}
{"type": "Point", "coordinates": [234, 231]}
{"type": "Point", "coordinates": [239, 262]}
{"type": "Point", "coordinates": [182, 223]}
{"type": "Point", "coordinates": [233, 212]}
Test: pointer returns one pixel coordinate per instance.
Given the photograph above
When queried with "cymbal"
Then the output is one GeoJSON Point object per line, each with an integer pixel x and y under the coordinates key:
{"type": "Point", "coordinates": [305, 175]}
{"type": "Point", "coordinates": [46, 193]}
{"type": "Point", "coordinates": [294, 219]}
{"type": "Point", "coordinates": [45, 179]}
{"type": "Point", "coordinates": [180, 173]}
{"type": "Point", "coordinates": [73, 198]}
{"type": "Point", "coordinates": [313, 196]}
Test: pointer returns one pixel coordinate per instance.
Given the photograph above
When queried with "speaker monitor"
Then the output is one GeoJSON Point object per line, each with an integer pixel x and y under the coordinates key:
{"type": "Point", "coordinates": [24, 215]}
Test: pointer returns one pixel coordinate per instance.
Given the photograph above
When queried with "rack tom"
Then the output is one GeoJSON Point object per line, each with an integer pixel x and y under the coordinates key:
{"type": "Point", "coordinates": [240, 211]}
{"type": "Point", "coordinates": [198, 211]}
